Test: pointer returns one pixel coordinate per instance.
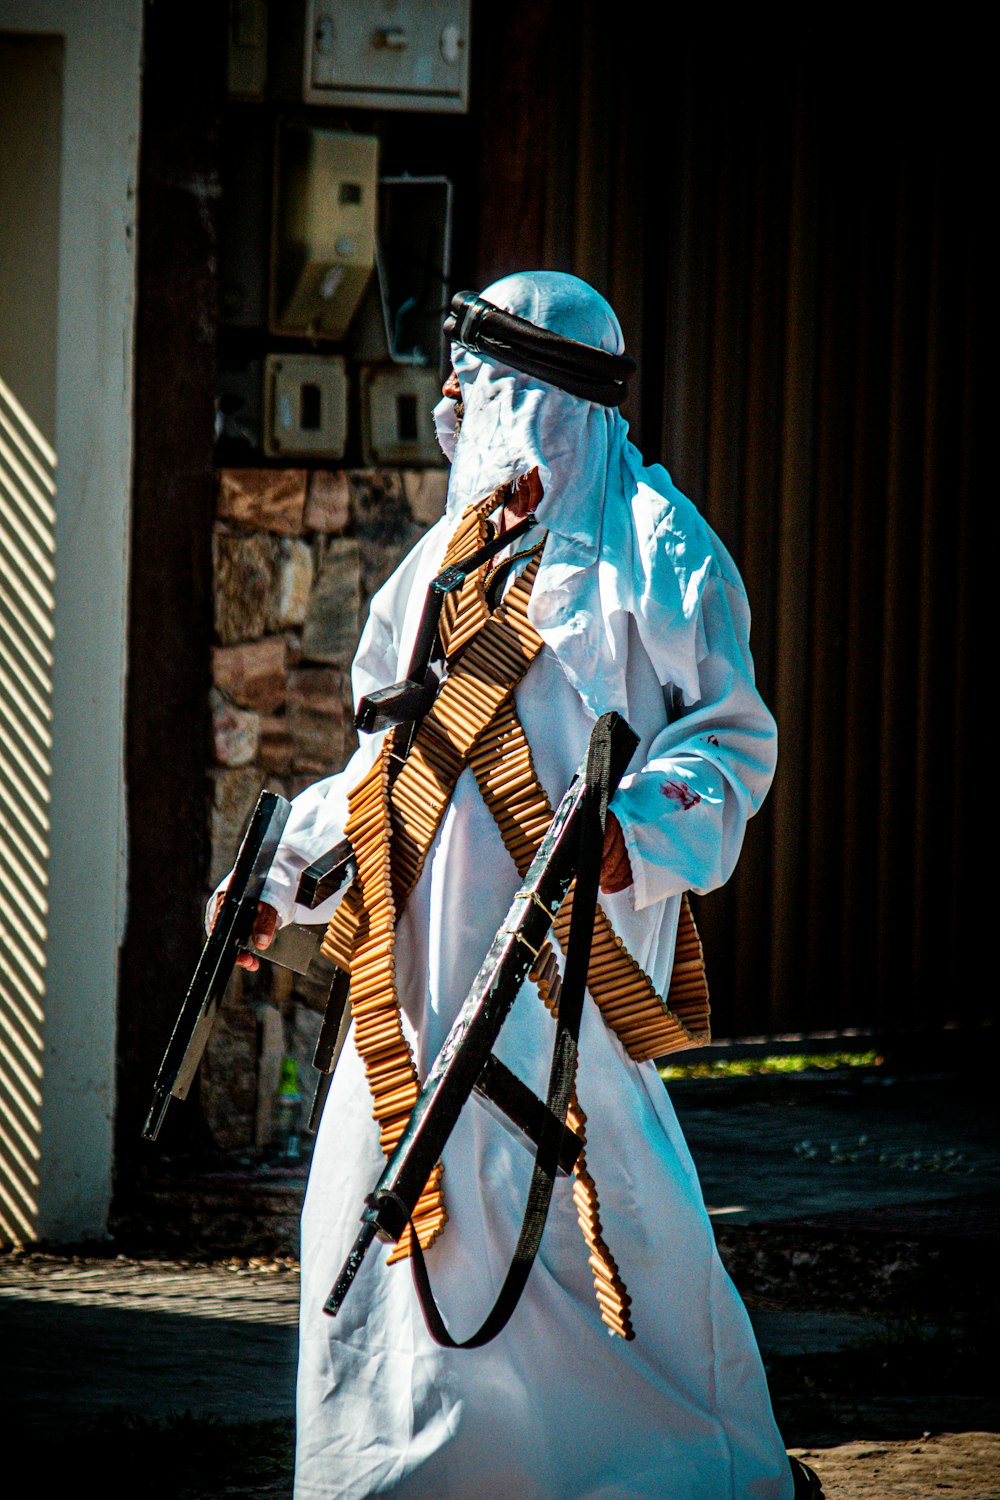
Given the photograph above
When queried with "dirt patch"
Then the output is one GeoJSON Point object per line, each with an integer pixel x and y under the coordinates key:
{"type": "Point", "coordinates": [963, 1465]}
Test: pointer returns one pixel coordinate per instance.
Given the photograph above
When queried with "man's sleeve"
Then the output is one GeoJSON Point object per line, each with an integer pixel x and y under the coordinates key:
{"type": "Point", "coordinates": [683, 815]}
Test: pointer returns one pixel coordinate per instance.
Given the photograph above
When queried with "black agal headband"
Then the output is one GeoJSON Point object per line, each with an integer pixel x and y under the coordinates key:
{"type": "Point", "coordinates": [580, 369]}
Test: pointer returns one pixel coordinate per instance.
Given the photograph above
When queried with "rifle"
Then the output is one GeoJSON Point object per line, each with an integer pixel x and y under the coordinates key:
{"type": "Point", "coordinates": [229, 937]}
{"type": "Point", "coordinates": [294, 946]}
{"type": "Point", "coordinates": [465, 1065]}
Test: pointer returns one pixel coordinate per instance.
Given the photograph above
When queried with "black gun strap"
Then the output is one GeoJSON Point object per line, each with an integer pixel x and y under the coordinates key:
{"type": "Point", "coordinates": [562, 1073]}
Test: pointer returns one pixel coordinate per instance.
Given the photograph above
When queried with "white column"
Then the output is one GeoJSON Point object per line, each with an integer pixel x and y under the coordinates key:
{"type": "Point", "coordinates": [67, 832]}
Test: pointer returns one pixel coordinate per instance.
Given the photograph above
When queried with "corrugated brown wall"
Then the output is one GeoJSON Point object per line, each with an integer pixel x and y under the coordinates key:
{"type": "Point", "coordinates": [792, 239]}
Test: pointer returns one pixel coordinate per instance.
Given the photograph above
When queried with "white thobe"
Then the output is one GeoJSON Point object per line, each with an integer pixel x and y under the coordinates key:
{"type": "Point", "coordinates": [555, 1407]}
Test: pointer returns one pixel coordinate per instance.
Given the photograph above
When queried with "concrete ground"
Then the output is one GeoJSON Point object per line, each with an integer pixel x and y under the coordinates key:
{"type": "Point", "coordinates": [858, 1216]}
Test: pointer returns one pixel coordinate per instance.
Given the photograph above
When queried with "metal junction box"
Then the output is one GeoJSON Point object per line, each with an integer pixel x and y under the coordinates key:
{"type": "Point", "coordinates": [305, 406]}
{"type": "Point", "coordinates": [396, 423]}
{"type": "Point", "coordinates": [384, 54]}
{"type": "Point", "coordinates": [323, 230]}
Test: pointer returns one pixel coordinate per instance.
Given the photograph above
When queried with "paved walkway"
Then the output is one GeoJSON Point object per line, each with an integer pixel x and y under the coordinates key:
{"type": "Point", "coordinates": [157, 1338]}
{"type": "Point", "coordinates": [152, 1339]}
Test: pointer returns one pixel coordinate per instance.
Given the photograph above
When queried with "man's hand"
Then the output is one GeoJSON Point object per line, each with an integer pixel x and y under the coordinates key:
{"type": "Point", "coordinates": [616, 869]}
{"type": "Point", "coordinates": [265, 925]}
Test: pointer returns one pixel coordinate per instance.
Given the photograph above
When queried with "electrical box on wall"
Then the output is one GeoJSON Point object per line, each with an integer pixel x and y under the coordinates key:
{"type": "Point", "coordinates": [305, 406]}
{"type": "Point", "coordinates": [385, 54]}
{"type": "Point", "coordinates": [323, 229]}
{"type": "Point", "coordinates": [396, 423]}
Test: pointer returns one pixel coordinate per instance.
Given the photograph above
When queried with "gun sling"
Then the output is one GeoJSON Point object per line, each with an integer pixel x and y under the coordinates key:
{"type": "Point", "coordinates": [600, 779]}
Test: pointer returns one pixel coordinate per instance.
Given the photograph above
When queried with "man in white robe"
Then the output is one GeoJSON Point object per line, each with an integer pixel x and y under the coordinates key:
{"type": "Point", "coordinates": [641, 610]}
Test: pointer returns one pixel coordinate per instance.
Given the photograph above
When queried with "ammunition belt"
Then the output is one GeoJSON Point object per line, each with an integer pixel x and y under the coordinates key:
{"type": "Point", "coordinates": [392, 830]}
{"type": "Point", "coordinates": [392, 825]}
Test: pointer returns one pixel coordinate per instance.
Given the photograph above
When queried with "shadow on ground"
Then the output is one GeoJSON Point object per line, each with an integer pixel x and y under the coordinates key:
{"type": "Point", "coordinates": [180, 1457]}
{"type": "Point", "coordinates": [166, 1380]}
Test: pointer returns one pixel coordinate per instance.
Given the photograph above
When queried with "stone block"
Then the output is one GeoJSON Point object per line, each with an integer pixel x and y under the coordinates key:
{"type": "Point", "coordinates": [252, 675]}
{"type": "Point", "coordinates": [426, 491]}
{"type": "Point", "coordinates": [328, 504]}
{"type": "Point", "coordinates": [264, 499]}
{"type": "Point", "coordinates": [292, 584]}
{"type": "Point", "coordinates": [233, 794]}
{"type": "Point", "coordinates": [244, 568]}
{"type": "Point", "coordinates": [380, 559]}
{"type": "Point", "coordinates": [378, 504]}
{"type": "Point", "coordinates": [235, 732]}
{"type": "Point", "coordinates": [383, 525]}
{"type": "Point", "coordinates": [274, 751]}
{"type": "Point", "coordinates": [316, 719]}
{"type": "Point", "coordinates": [332, 623]}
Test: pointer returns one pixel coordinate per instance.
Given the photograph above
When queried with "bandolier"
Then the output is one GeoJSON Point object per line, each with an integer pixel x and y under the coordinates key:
{"type": "Point", "coordinates": [393, 818]}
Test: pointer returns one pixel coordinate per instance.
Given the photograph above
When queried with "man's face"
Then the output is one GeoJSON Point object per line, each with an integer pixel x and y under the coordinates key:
{"type": "Point", "coordinates": [451, 388]}
{"type": "Point", "coordinates": [453, 391]}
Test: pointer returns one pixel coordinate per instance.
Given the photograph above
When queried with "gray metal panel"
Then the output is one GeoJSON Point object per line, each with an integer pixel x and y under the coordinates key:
{"type": "Point", "coordinates": [410, 54]}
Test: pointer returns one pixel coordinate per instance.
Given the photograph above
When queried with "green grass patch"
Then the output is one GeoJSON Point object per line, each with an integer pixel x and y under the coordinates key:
{"type": "Point", "coordinates": [748, 1067]}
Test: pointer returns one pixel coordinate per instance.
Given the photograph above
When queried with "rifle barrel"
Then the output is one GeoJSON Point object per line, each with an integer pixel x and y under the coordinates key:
{"type": "Point", "coordinates": [352, 1266]}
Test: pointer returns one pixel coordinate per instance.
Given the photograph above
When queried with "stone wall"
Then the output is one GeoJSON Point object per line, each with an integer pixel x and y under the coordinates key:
{"type": "Point", "coordinates": [297, 557]}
